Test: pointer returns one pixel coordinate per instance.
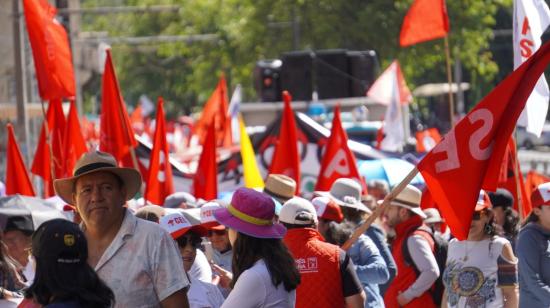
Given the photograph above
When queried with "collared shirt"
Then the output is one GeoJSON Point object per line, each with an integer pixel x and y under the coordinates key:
{"type": "Point", "coordinates": [223, 259]}
{"type": "Point", "coordinates": [142, 265]}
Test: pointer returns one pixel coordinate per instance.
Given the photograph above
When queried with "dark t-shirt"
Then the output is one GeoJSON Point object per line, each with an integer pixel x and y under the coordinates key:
{"type": "Point", "coordinates": [350, 282]}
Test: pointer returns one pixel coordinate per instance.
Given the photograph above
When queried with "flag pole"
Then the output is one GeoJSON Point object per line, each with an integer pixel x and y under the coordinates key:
{"type": "Point", "coordinates": [518, 186]}
{"type": "Point", "coordinates": [49, 144]}
{"type": "Point", "coordinates": [449, 80]}
{"type": "Point", "coordinates": [380, 209]}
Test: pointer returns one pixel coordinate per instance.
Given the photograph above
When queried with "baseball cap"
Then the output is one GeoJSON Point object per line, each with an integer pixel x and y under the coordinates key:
{"type": "Point", "coordinates": [327, 209]}
{"type": "Point", "coordinates": [298, 211]}
{"type": "Point", "coordinates": [541, 195]}
{"type": "Point", "coordinates": [179, 223]}
{"type": "Point", "coordinates": [60, 240]}
{"type": "Point", "coordinates": [483, 201]}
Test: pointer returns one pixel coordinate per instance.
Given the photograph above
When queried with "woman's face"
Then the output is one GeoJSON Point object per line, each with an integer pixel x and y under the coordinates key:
{"type": "Point", "coordinates": [479, 220]}
{"type": "Point", "coordinates": [188, 253]}
{"type": "Point", "coordinates": [232, 236]}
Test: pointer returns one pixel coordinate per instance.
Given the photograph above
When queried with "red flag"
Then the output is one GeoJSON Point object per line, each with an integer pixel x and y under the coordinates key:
{"type": "Point", "coordinates": [17, 178]}
{"type": "Point", "coordinates": [338, 161]}
{"type": "Point", "coordinates": [426, 20]}
{"type": "Point", "coordinates": [159, 182]}
{"type": "Point", "coordinates": [511, 179]}
{"type": "Point", "coordinates": [42, 163]}
{"type": "Point", "coordinates": [205, 181]}
{"type": "Point", "coordinates": [50, 50]}
{"type": "Point", "coordinates": [427, 139]}
{"type": "Point", "coordinates": [116, 135]}
{"type": "Point", "coordinates": [286, 158]}
{"type": "Point", "coordinates": [215, 110]}
{"type": "Point", "coordinates": [75, 146]}
{"type": "Point", "coordinates": [469, 157]}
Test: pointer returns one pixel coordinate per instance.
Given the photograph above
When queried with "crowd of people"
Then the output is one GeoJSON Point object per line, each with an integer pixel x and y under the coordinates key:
{"type": "Point", "coordinates": [271, 248]}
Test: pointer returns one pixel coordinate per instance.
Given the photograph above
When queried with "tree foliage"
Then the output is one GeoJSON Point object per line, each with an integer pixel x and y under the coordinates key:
{"type": "Point", "coordinates": [247, 30]}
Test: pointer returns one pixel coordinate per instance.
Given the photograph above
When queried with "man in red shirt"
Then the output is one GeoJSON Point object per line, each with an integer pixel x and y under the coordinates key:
{"type": "Point", "coordinates": [328, 277]}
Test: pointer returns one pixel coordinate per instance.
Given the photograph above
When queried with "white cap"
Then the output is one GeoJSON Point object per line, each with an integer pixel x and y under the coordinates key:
{"type": "Point", "coordinates": [298, 211]}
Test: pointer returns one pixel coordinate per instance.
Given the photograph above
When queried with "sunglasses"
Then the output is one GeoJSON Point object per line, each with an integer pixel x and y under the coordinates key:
{"type": "Point", "coordinates": [194, 241]}
{"type": "Point", "coordinates": [217, 232]}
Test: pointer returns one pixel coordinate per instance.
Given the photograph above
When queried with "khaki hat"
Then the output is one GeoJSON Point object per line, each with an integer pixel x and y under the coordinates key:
{"type": "Point", "coordinates": [409, 198]}
{"type": "Point", "coordinates": [95, 161]}
{"type": "Point", "coordinates": [346, 192]}
{"type": "Point", "coordinates": [432, 216]}
{"type": "Point", "coordinates": [280, 187]}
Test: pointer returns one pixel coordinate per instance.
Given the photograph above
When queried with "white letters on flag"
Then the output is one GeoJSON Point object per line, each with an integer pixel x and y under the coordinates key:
{"type": "Point", "coordinates": [531, 18]}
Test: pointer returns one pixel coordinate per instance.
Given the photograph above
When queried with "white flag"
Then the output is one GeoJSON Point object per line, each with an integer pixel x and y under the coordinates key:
{"type": "Point", "coordinates": [390, 89]}
{"type": "Point", "coordinates": [531, 18]}
{"type": "Point", "coordinates": [233, 111]}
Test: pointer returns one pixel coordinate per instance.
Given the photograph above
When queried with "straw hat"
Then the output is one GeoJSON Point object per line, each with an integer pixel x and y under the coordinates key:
{"type": "Point", "coordinates": [409, 198]}
{"type": "Point", "coordinates": [95, 161]}
{"type": "Point", "coordinates": [280, 187]}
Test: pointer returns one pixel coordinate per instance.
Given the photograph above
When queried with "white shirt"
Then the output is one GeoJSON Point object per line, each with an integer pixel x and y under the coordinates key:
{"type": "Point", "coordinates": [423, 257]}
{"type": "Point", "coordinates": [471, 270]}
{"type": "Point", "coordinates": [142, 265]}
{"type": "Point", "coordinates": [254, 289]}
{"type": "Point", "coordinates": [204, 295]}
{"type": "Point", "coordinates": [201, 269]}
{"type": "Point", "coordinates": [29, 270]}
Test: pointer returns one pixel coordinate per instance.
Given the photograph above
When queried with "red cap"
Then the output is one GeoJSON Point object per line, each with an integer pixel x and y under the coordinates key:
{"type": "Point", "coordinates": [327, 209]}
{"type": "Point", "coordinates": [541, 195]}
{"type": "Point", "coordinates": [483, 202]}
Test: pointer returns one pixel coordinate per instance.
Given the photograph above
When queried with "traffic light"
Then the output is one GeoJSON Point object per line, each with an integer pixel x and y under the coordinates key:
{"type": "Point", "coordinates": [267, 80]}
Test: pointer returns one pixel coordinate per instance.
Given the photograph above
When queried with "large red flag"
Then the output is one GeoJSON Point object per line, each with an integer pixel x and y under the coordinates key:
{"type": "Point", "coordinates": [469, 157]}
{"type": "Point", "coordinates": [286, 158]}
{"type": "Point", "coordinates": [338, 161]}
{"type": "Point", "coordinates": [50, 50]}
{"type": "Point", "coordinates": [116, 134]}
{"type": "Point", "coordinates": [426, 20]}
{"type": "Point", "coordinates": [74, 142]}
{"type": "Point", "coordinates": [159, 181]}
{"type": "Point", "coordinates": [205, 181]}
{"type": "Point", "coordinates": [215, 109]}
{"type": "Point", "coordinates": [17, 178]}
{"type": "Point", "coordinates": [42, 163]}
{"type": "Point", "coordinates": [511, 179]}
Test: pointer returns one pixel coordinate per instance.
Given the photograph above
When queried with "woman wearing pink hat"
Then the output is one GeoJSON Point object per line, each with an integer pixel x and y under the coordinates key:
{"type": "Point", "coordinates": [264, 272]}
{"type": "Point", "coordinates": [481, 271]}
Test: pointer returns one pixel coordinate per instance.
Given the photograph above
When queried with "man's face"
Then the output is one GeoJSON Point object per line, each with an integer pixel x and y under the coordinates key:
{"type": "Point", "coordinates": [99, 198]}
{"type": "Point", "coordinates": [219, 240]}
{"type": "Point", "coordinates": [377, 193]}
{"type": "Point", "coordinates": [392, 215]}
{"type": "Point", "coordinates": [18, 245]}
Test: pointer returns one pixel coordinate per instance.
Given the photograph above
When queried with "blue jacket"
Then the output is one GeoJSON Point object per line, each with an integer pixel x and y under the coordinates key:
{"type": "Point", "coordinates": [379, 238]}
{"type": "Point", "coordinates": [533, 250]}
{"type": "Point", "coordinates": [371, 269]}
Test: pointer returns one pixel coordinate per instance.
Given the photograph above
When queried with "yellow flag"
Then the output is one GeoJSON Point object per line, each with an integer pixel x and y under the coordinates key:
{"type": "Point", "coordinates": [252, 176]}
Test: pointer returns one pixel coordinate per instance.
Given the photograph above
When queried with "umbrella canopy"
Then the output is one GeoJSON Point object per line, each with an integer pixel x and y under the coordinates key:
{"type": "Point", "coordinates": [39, 210]}
{"type": "Point", "coordinates": [391, 170]}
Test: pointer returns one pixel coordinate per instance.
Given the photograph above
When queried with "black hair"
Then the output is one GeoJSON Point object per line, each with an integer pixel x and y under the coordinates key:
{"type": "Point", "coordinates": [490, 227]}
{"type": "Point", "coordinates": [531, 218]}
{"type": "Point", "coordinates": [148, 215]}
{"type": "Point", "coordinates": [57, 282]}
{"type": "Point", "coordinates": [352, 214]}
{"type": "Point", "coordinates": [278, 260]}
{"type": "Point", "coordinates": [339, 233]}
{"type": "Point", "coordinates": [511, 222]}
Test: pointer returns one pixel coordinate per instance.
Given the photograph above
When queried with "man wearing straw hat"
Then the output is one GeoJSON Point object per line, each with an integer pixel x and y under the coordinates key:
{"type": "Point", "coordinates": [137, 259]}
{"type": "Point", "coordinates": [410, 288]}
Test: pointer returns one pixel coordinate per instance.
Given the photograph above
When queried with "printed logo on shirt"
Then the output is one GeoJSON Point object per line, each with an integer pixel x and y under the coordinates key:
{"type": "Point", "coordinates": [307, 265]}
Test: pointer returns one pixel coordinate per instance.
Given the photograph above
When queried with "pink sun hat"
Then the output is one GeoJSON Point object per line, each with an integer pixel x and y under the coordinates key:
{"type": "Point", "coordinates": [251, 212]}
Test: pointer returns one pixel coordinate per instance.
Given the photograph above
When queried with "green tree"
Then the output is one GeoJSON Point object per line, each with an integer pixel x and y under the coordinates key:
{"type": "Point", "coordinates": [247, 30]}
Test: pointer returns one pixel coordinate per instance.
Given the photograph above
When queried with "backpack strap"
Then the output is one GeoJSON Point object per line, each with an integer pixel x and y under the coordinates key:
{"type": "Point", "coordinates": [427, 234]}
